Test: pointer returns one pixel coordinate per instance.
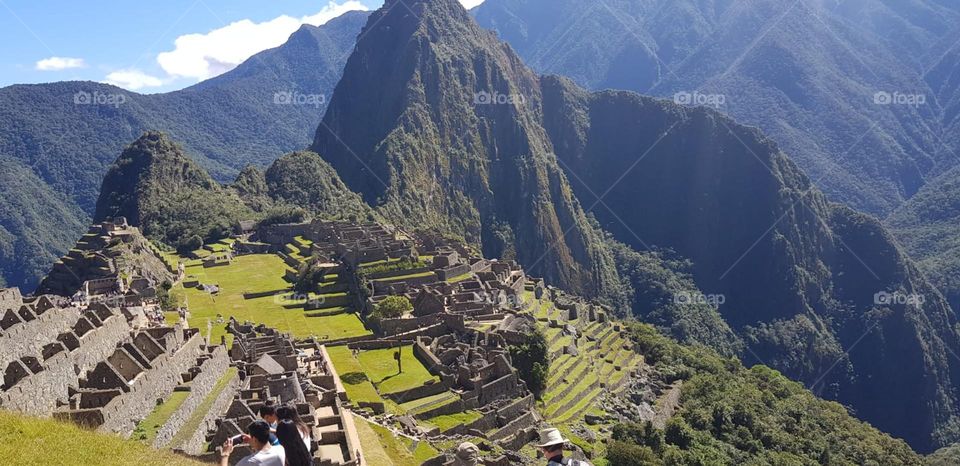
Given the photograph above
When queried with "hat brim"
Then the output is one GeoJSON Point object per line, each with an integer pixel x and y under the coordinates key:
{"type": "Point", "coordinates": [550, 444]}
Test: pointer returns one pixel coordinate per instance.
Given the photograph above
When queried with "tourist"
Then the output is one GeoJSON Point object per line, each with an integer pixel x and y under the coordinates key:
{"type": "Point", "coordinates": [467, 455]}
{"type": "Point", "coordinates": [258, 439]}
{"type": "Point", "coordinates": [289, 412]}
{"type": "Point", "coordinates": [291, 440]}
{"type": "Point", "coordinates": [268, 412]}
{"type": "Point", "coordinates": [551, 444]}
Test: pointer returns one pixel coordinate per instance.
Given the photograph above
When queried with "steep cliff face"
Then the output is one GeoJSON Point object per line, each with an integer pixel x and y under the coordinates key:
{"type": "Point", "coordinates": [805, 281]}
{"type": "Point", "coordinates": [436, 124]}
{"type": "Point", "coordinates": [161, 190]}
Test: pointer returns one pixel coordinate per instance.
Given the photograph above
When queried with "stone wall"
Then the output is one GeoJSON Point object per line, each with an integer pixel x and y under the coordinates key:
{"type": "Point", "coordinates": [122, 413]}
{"type": "Point", "coordinates": [197, 441]}
{"type": "Point", "coordinates": [28, 338]}
{"type": "Point", "coordinates": [211, 370]}
{"type": "Point", "coordinates": [38, 394]}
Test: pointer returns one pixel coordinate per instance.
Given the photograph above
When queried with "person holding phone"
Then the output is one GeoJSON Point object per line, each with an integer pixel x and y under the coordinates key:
{"type": "Point", "coordinates": [258, 439]}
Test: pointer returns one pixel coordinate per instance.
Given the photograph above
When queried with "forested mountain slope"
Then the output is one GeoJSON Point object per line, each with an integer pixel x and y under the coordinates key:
{"type": "Point", "coordinates": [70, 132]}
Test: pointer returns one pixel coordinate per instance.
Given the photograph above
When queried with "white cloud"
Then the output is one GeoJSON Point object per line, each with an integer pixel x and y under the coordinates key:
{"type": "Point", "coordinates": [133, 79]}
{"type": "Point", "coordinates": [60, 63]}
{"type": "Point", "coordinates": [203, 56]}
{"type": "Point", "coordinates": [468, 4]}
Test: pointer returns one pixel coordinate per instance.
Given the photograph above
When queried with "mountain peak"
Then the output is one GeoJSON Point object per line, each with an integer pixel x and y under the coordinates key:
{"type": "Point", "coordinates": [405, 129]}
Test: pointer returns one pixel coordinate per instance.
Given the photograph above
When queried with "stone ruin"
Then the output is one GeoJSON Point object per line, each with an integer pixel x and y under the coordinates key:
{"type": "Point", "coordinates": [111, 260]}
{"type": "Point", "coordinates": [272, 366]}
{"type": "Point", "coordinates": [99, 366]}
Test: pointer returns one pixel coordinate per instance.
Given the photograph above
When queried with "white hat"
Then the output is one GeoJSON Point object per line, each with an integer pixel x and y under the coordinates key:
{"type": "Point", "coordinates": [549, 437]}
{"type": "Point", "coordinates": [467, 454]}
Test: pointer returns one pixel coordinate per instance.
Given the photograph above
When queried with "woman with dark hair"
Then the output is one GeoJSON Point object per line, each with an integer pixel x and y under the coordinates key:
{"type": "Point", "coordinates": [289, 435]}
{"type": "Point", "coordinates": [289, 412]}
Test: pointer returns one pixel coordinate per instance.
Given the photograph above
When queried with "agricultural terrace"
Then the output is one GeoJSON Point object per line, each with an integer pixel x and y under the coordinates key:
{"type": "Point", "coordinates": [574, 387]}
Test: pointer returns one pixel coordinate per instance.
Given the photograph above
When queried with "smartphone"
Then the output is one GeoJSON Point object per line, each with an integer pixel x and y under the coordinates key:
{"type": "Point", "coordinates": [237, 440]}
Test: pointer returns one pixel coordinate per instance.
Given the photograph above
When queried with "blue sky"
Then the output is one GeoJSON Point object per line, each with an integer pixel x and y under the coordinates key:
{"type": "Point", "coordinates": [148, 46]}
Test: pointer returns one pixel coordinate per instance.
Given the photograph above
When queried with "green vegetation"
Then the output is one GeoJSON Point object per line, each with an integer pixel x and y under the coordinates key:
{"type": "Point", "coordinates": [37, 225]}
{"type": "Point", "coordinates": [382, 448]}
{"type": "Point", "coordinates": [196, 418]}
{"type": "Point", "coordinates": [304, 179]}
{"type": "Point", "coordinates": [737, 415]}
{"type": "Point", "coordinates": [926, 225]}
{"type": "Point", "coordinates": [392, 307]}
{"type": "Point", "coordinates": [404, 263]}
{"type": "Point", "coordinates": [381, 367]}
{"type": "Point", "coordinates": [27, 441]}
{"type": "Point", "coordinates": [532, 361]}
{"type": "Point", "coordinates": [158, 188]}
{"type": "Point", "coordinates": [440, 399]}
{"type": "Point", "coordinates": [71, 146]}
{"type": "Point", "coordinates": [449, 421]}
{"type": "Point", "coordinates": [258, 274]}
{"type": "Point", "coordinates": [355, 381]}
{"type": "Point", "coordinates": [146, 430]}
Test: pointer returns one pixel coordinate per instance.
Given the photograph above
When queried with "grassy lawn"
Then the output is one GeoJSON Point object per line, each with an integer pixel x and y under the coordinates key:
{"type": "Point", "coordinates": [460, 278]}
{"type": "Point", "coordinates": [196, 418]}
{"type": "Point", "coordinates": [355, 382]}
{"type": "Point", "coordinates": [380, 366]}
{"type": "Point", "coordinates": [147, 429]}
{"type": "Point", "coordinates": [449, 421]}
{"type": "Point", "coordinates": [382, 448]}
{"type": "Point", "coordinates": [257, 274]}
{"type": "Point", "coordinates": [27, 441]}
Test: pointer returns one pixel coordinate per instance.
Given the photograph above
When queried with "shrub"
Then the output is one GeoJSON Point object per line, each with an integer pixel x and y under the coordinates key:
{"type": "Point", "coordinates": [392, 307]}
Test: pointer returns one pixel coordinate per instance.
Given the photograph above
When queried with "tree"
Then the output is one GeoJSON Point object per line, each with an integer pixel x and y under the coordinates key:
{"type": "Point", "coordinates": [532, 362]}
{"type": "Point", "coordinates": [190, 244]}
{"type": "Point", "coordinates": [630, 454]}
{"type": "Point", "coordinates": [393, 307]}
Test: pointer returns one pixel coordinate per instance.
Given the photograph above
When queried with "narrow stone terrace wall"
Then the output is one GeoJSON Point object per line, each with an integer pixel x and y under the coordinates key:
{"type": "Point", "coordinates": [211, 370]}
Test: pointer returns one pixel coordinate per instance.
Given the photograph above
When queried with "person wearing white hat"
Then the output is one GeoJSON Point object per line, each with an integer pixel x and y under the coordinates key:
{"type": "Point", "coordinates": [551, 444]}
{"type": "Point", "coordinates": [467, 455]}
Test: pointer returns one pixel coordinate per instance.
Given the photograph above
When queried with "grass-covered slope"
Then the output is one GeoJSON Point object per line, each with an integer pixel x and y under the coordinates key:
{"type": "Point", "coordinates": [29, 441]}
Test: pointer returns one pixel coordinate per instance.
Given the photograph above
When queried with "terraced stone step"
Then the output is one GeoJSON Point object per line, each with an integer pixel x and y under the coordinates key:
{"type": "Point", "coordinates": [574, 394]}
{"type": "Point", "coordinates": [572, 382]}
{"type": "Point", "coordinates": [582, 406]}
{"type": "Point", "coordinates": [558, 374]}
